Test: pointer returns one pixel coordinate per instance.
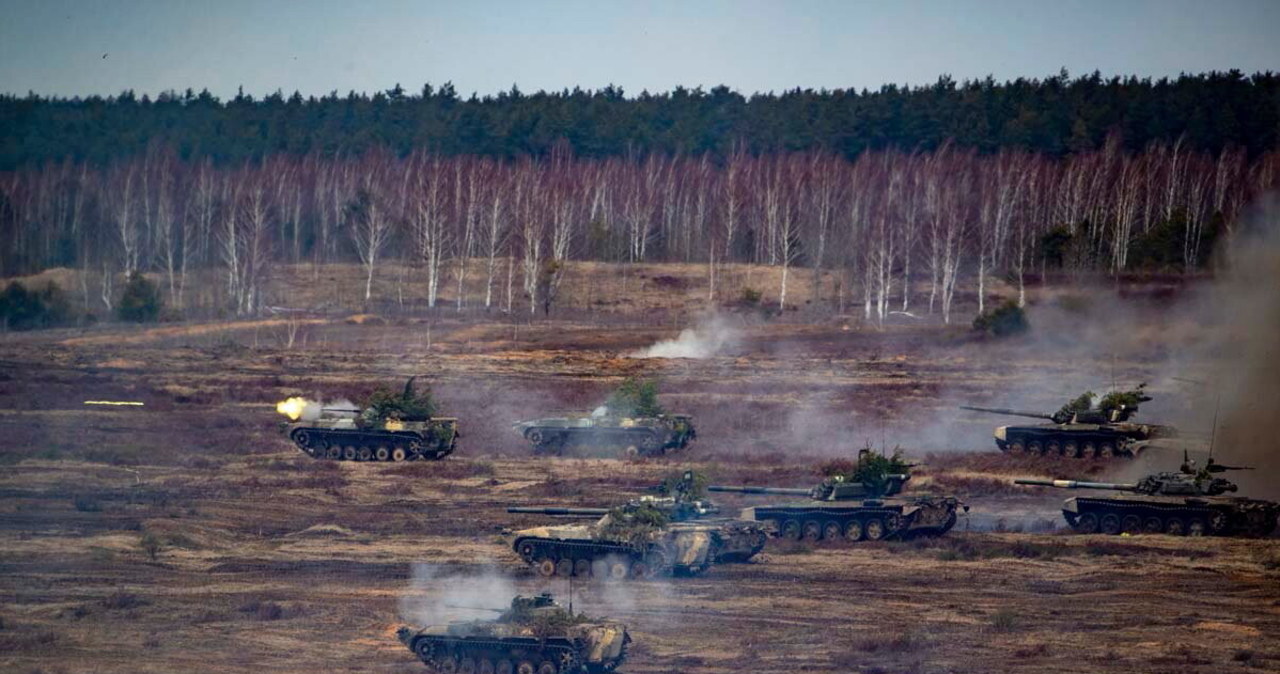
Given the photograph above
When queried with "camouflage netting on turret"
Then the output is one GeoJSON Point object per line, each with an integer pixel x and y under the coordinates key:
{"type": "Point", "coordinates": [632, 525]}
{"type": "Point", "coordinates": [636, 398]}
{"type": "Point", "coordinates": [871, 469]}
{"type": "Point", "coordinates": [408, 405]}
{"type": "Point", "coordinates": [689, 485]}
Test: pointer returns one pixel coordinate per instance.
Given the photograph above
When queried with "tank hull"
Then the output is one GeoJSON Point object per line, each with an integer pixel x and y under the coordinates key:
{"type": "Point", "coordinates": [599, 648]}
{"type": "Point", "coordinates": [1201, 516]}
{"type": "Point", "coordinates": [409, 441]}
{"type": "Point", "coordinates": [1076, 440]}
{"type": "Point", "coordinates": [854, 522]}
{"type": "Point", "coordinates": [643, 437]}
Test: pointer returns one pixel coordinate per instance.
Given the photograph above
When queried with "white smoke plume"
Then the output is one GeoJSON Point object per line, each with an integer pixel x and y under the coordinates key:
{"type": "Point", "coordinates": [437, 595]}
{"type": "Point", "coordinates": [711, 336]}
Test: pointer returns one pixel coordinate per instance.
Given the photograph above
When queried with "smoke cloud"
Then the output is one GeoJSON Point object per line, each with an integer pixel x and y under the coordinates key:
{"type": "Point", "coordinates": [437, 595]}
{"type": "Point", "coordinates": [711, 336]}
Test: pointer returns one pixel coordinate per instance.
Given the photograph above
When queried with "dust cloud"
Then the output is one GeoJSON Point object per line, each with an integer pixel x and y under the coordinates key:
{"type": "Point", "coordinates": [437, 595]}
{"type": "Point", "coordinates": [710, 337]}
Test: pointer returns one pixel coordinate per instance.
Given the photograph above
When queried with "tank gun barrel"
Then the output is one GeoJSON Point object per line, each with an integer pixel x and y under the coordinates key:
{"type": "Point", "coordinates": [475, 608]}
{"type": "Point", "coordinates": [1002, 410]}
{"type": "Point", "coordinates": [1077, 484]}
{"type": "Point", "coordinates": [758, 490]}
{"type": "Point", "coordinates": [564, 512]}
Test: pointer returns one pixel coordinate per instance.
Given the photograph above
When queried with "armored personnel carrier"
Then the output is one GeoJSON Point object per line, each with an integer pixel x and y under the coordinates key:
{"type": "Point", "coordinates": [731, 540]}
{"type": "Point", "coordinates": [855, 506]}
{"type": "Point", "coordinates": [643, 436]}
{"type": "Point", "coordinates": [1081, 430]}
{"type": "Point", "coordinates": [393, 427]}
{"type": "Point", "coordinates": [534, 636]}
{"type": "Point", "coordinates": [1188, 502]}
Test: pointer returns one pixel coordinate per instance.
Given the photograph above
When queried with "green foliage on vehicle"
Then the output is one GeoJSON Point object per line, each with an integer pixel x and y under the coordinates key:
{"type": "Point", "coordinates": [407, 405]}
{"type": "Point", "coordinates": [636, 398]}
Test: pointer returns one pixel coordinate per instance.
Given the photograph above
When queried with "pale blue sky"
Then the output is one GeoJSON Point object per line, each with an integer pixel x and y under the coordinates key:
{"type": "Point", "coordinates": [56, 46]}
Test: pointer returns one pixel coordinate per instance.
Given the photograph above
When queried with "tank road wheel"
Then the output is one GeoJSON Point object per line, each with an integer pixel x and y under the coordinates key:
{"type": "Point", "coordinates": [348, 453]}
{"type": "Point", "coordinates": [447, 665]}
{"type": "Point", "coordinates": [1152, 525]}
{"type": "Point", "coordinates": [504, 667]}
{"type": "Point", "coordinates": [1070, 448]}
{"type": "Point", "coordinates": [599, 568]}
{"type": "Point", "coordinates": [382, 453]}
{"type": "Point", "coordinates": [618, 569]}
{"type": "Point", "coordinates": [1218, 521]}
{"type": "Point", "coordinates": [1087, 523]}
{"type": "Point", "coordinates": [398, 454]}
{"type": "Point", "coordinates": [1174, 526]}
{"type": "Point", "coordinates": [1131, 524]}
{"type": "Point", "coordinates": [1107, 450]}
{"type": "Point", "coordinates": [649, 444]}
{"type": "Point", "coordinates": [334, 452]}
{"type": "Point", "coordinates": [640, 570]}
{"type": "Point", "coordinates": [791, 530]}
{"type": "Point", "coordinates": [812, 531]}
{"type": "Point", "coordinates": [364, 454]}
{"type": "Point", "coordinates": [467, 666]}
{"type": "Point", "coordinates": [1088, 450]}
{"type": "Point", "coordinates": [1053, 447]}
{"type": "Point", "coordinates": [1017, 446]}
{"type": "Point", "coordinates": [564, 567]}
{"type": "Point", "coordinates": [423, 650]}
{"type": "Point", "coordinates": [853, 531]}
{"type": "Point", "coordinates": [1195, 527]}
{"type": "Point", "coordinates": [832, 531]}
{"type": "Point", "coordinates": [1110, 524]}
{"type": "Point", "coordinates": [526, 667]}
{"type": "Point", "coordinates": [874, 529]}
{"type": "Point", "coordinates": [302, 438]}
{"type": "Point", "coordinates": [582, 568]}
{"type": "Point", "coordinates": [485, 666]}
{"type": "Point", "coordinates": [535, 436]}
{"type": "Point", "coordinates": [546, 567]}
{"type": "Point", "coordinates": [548, 667]}
{"type": "Point", "coordinates": [1035, 447]}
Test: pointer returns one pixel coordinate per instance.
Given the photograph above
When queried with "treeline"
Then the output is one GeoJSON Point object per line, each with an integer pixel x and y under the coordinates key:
{"type": "Point", "coordinates": [874, 228]}
{"type": "Point", "coordinates": [1056, 116]}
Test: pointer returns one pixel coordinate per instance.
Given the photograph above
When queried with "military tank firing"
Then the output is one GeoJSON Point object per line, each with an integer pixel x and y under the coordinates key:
{"type": "Point", "coordinates": [677, 507]}
{"type": "Point", "coordinates": [1080, 429]}
{"type": "Point", "coordinates": [855, 505]}
{"type": "Point", "coordinates": [631, 421]}
{"type": "Point", "coordinates": [392, 427]}
{"type": "Point", "coordinates": [535, 635]}
{"type": "Point", "coordinates": [1188, 502]}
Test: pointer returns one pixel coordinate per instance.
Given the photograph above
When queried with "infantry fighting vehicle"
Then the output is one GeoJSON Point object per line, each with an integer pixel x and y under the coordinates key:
{"type": "Point", "coordinates": [1081, 430]}
{"type": "Point", "coordinates": [534, 636]}
{"type": "Point", "coordinates": [1188, 502]}
{"type": "Point", "coordinates": [643, 436]}
{"type": "Point", "coordinates": [686, 517]}
{"type": "Point", "coordinates": [859, 505]}
{"type": "Point", "coordinates": [392, 428]}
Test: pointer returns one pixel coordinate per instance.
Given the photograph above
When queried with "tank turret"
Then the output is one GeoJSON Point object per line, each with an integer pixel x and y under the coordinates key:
{"type": "Point", "coordinates": [535, 634]}
{"type": "Point", "coordinates": [854, 505]}
{"type": "Point", "coordinates": [1081, 429]}
{"type": "Point", "coordinates": [1189, 501]}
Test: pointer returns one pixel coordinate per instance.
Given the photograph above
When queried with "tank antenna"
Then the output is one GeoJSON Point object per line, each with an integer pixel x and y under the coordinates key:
{"type": "Point", "coordinates": [1213, 432]}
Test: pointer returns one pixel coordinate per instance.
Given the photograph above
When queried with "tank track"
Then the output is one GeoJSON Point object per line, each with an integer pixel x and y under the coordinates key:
{"type": "Point", "coordinates": [553, 557]}
{"type": "Point", "coordinates": [357, 445]}
{"type": "Point", "coordinates": [553, 441]}
{"type": "Point", "coordinates": [514, 650]}
{"type": "Point", "coordinates": [1112, 517]}
{"type": "Point", "coordinates": [1069, 445]}
{"type": "Point", "coordinates": [855, 524]}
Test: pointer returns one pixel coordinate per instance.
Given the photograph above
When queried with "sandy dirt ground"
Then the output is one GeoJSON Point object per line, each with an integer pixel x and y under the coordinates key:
{"type": "Point", "coordinates": [189, 535]}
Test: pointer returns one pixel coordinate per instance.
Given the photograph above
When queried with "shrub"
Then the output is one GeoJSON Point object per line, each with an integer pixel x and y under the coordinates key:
{"type": "Point", "coordinates": [1003, 321]}
{"type": "Point", "coordinates": [1004, 620]}
{"type": "Point", "coordinates": [749, 297]}
{"type": "Point", "coordinates": [150, 544]}
{"type": "Point", "coordinates": [22, 309]}
{"type": "Point", "coordinates": [141, 300]}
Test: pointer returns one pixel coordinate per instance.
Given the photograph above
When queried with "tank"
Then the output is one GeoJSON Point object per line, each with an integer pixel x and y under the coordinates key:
{"type": "Point", "coordinates": [731, 540]}
{"type": "Point", "coordinates": [390, 429]}
{"type": "Point", "coordinates": [861, 505]}
{"type": "Point", "coordinates": [1188, 502]}
{"type": "Point", "coordinates": [534, 636]}
{"type": "Point", "coordinates": [1079, 430]}
{"type": "Point", "coordinates": [643, 436]}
